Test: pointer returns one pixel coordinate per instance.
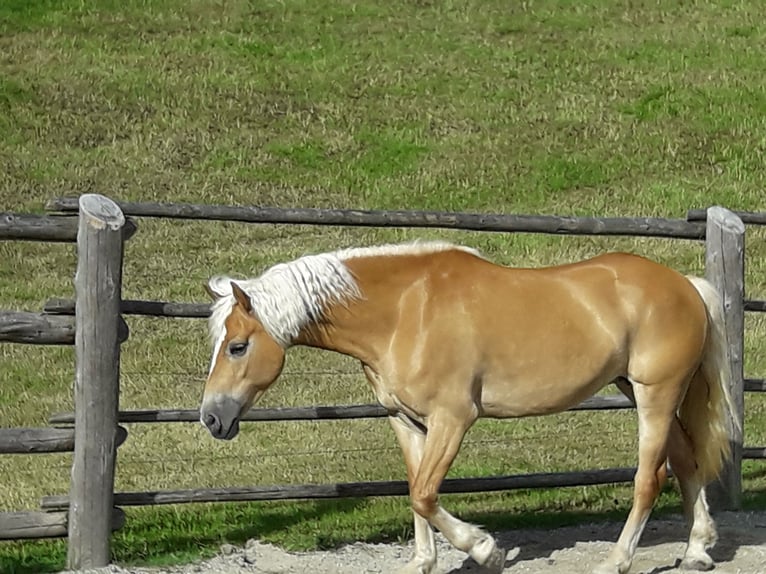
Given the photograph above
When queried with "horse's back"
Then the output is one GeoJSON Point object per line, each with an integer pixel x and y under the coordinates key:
{"type": "Point", "coordinates": [544, 339]}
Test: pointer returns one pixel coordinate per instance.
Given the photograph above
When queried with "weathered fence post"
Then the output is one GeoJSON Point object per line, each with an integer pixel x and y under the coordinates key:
{"type": "Point", "coordinates": [725, 268]}
{"type": "Point", "coordinates": [98, 285]}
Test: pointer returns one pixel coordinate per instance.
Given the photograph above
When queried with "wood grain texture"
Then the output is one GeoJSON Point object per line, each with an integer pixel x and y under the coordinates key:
{"type": "Point", "coordinates": [633, 226]}
{"type": "Point", "coordinates": [725, 269]}
{"type": "Point", "coordinates": [358, 489]}
{"type": "Point", "coordinates": [36, 328]}
{"type": "Point", "coordinates": [37, 440]}
{"type": "Point", "coordinates": [98, 287]}
{"type": "Point", "coordinates": [35, 524]}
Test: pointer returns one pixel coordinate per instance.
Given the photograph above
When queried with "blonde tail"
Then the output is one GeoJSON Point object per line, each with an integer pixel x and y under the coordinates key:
{"type": "Point", "coordinates": [708, 411]}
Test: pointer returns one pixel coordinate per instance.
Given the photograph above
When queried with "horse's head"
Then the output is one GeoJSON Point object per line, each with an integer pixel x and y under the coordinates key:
{"type": "Point", "coordinates": [246, 361]}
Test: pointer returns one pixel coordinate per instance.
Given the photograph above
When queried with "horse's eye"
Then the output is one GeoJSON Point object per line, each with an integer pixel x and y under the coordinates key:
{"type": "Point", "coordinates": [237, 349]}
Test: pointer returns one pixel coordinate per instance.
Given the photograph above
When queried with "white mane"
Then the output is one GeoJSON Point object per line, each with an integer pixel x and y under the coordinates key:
{"type": "Point", "coordinates": [289, 296]}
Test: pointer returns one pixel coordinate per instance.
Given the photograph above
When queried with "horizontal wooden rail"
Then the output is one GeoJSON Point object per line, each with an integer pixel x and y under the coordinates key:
{"type": "Point", "coordinates": [59, 306]}
{"type": "Point", "coordinates": [335, 412]}
{"type": "Point", "coordinates": [754, 452]}
{"type": "Point", "coordinates": [751, 217]}
{"type": "Point", "coordinates": [358, 489]}
{"type": "Point", "coordinates": [634, 226]}
{"type": "Point", "coordinates": [29, 440]}
{"type": "Point", "coordinates": [32, 524]}
{"type": "Point", "coordinates": [43, 328]}
{"type": "Point", "coordinates": [36, 328]}
{"type": "Point", "coordinates": [308, 413]}
{"type": "Point", "coordinates": [36, 440]}
{"type": "Point", "coordinates": [29, 227]}
{"type": "Point", "coordinates": [755, 385]}
{"type": "Point", "coordinates": [137, 307]}
{"type": "Point", "coordinates": [35, 524]}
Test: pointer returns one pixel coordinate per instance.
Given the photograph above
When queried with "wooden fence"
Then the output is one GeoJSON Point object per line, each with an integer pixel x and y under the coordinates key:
{"type": "Point", "coordinates": [87, 527]}
{"type": "Point", "coordinates": [96, 330]}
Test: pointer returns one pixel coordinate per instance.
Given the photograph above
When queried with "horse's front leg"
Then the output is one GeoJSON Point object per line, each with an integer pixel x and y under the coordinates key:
{"type": "Point", "coordinates": [444, 436]}
{"type": "Point", "coordinates": [412, 441]}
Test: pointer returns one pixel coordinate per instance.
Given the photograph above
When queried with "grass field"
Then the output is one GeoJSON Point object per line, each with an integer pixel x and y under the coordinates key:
{"type": "Point", "coordinates": [553, 107]}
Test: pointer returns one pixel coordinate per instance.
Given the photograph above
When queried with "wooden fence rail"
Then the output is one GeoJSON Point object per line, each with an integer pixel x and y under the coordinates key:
{"type": "Point", "coordinates": [31, 440]}
{"type": "Point", "coordinates": [633, 226]}
{"type": "Point", "coordinates": [315, 413]}
{"type": "Point", "coordinates": [39, 440]}
{"type": "Point", "coordinates": [52, 229]}
{"type": "Point", "coordinates": [60, 306]}
{"type": "Point", "coordinates": [138, 307]}
{"type": "Point", "coordinates": [34, 524]}
{"type": "Point", "coordinates": [44, 328]}
{"type": "Point", "coordinates": [748, 217]}
{"type": "Point", "coordinates": [359, 489]}
{"type": "Point", "coordinates": [36, 328]}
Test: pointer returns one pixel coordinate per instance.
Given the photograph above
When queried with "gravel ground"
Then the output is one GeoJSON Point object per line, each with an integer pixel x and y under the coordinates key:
{"type": "Point", "coordinates": [741, 550]}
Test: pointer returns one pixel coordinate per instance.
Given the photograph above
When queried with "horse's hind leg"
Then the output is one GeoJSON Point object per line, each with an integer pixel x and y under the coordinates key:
{"type": "Point", "coordinates": [702, 527]}
{"type": "Point", "coordinates": [656, 405]}
{"type": "Point", "coordinates": [702, 533]}
{"type": "Point", "coordinates": [412, 441]}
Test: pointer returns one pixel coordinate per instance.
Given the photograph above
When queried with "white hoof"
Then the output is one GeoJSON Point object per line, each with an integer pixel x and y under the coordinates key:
{"type": "Point", "coordinates": [496, 561]}
{"type": "Point", "coordinates": [487, 553]}
{"type": "Point", "coordinates": [701, 562]}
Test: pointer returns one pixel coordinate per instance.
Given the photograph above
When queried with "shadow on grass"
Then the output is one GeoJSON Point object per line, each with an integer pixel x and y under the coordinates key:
{"type": "Point", "coordinates": [177, 534]}
{"type": "Point", "coordinates": [540, 535]}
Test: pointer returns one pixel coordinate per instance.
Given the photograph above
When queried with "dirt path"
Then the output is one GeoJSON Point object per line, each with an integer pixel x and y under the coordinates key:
{"type": "Point", "coordinates": [572, 550]}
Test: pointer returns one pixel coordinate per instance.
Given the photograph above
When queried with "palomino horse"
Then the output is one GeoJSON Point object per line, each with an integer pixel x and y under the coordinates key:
{"type": "Point", "coordinates": [445, 337]}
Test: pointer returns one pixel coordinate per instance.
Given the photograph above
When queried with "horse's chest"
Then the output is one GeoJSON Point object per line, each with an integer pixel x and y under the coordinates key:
{"type": "Point", "coordinates": [387, 396]}
{"type": "Point", "coordinates": [383, 392]}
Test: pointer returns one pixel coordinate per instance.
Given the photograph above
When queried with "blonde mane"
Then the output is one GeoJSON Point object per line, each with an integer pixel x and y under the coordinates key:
{"type": "Point", "coordinates": [289, 296]}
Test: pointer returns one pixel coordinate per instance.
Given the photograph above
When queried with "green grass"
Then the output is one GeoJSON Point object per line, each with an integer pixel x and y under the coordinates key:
{"type": "Point", "coordinates": [553, 107]}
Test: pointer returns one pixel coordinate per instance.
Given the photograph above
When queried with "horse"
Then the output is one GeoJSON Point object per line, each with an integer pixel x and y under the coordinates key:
{"type": "Point", "coordinates": [444, 336]}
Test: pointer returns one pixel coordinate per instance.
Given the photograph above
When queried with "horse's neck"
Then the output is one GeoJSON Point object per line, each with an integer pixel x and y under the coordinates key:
{"type": "Point", "coordinates": [362, 328]}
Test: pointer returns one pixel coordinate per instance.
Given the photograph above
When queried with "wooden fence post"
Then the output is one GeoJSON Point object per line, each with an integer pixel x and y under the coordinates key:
{"type": "Point", "coordinates": [98, 285]}
{"type": "Point", "coordinates": [725, 268]}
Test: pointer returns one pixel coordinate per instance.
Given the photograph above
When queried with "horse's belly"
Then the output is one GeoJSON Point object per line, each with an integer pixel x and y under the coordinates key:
{"type": "Point", "coordinates": [521, 398]}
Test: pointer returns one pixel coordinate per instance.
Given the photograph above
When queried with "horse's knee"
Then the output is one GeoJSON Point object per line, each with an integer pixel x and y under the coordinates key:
{"type": "Point", "coordinates": [424, 504]}
{"type": "Point", "coordinates": [646, 487]}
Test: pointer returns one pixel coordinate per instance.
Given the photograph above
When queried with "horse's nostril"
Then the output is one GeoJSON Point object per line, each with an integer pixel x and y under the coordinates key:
{"type": "Point", "coordinates": [212, 422]}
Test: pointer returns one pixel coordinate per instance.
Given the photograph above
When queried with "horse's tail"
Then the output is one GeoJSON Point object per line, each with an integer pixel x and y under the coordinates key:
{"type": "Point", "coordinates": [708, 409]}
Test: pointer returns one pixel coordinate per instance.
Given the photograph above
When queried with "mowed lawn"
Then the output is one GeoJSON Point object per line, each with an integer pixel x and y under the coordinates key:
{"type": "Point", "coordinates": [551, 107]}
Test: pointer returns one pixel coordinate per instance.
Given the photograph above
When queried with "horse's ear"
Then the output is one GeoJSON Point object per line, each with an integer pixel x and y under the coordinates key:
{"type": "Point", "coordinates": [212, 294]}
{"type": "Point", "coordinates": [241, 297]}
{"type": "Point", "coordinates": [218, 286]}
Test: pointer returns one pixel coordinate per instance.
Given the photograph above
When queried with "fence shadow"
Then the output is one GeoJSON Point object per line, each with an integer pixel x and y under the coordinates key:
{"type": "Point", "coordinates": [735, 529]}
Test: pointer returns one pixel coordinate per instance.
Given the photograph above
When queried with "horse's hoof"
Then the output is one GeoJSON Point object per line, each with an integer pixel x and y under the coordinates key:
{"type": "Point", "coordinates": [495, 562]}
{"type": "Point", "coordinates": [488, 555]}
{"type": "Point", "coordinates": [698, 563]}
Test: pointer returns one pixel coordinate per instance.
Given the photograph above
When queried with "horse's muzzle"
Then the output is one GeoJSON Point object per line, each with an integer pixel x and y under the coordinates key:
{"type": "Point", "coordinates": [220, 414]}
